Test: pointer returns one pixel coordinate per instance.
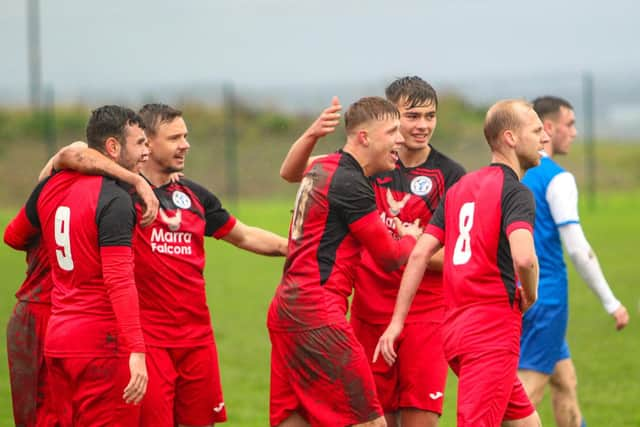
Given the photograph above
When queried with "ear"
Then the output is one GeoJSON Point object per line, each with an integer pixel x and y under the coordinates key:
{"type": "Point", "coordinates": [548, 126]}
{"type": "Point", "coordinates": [112, 147]}
{"type": "Point", "coordinates": [510, 137]}
{"type": "Point", "coordinates": [363, 137]}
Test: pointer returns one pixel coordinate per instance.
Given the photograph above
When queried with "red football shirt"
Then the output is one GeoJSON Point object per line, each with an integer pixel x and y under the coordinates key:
{"type": "Point", "coordinates": [170, 262]}
{"type": "Point", "coordinates": [474, 222]}
{"type": "Point", "coordinates": [334, 217]}
{"type": "Point", "coordinates": [86, 225]}
{"type": "Point", "coordinates": [409, 194]}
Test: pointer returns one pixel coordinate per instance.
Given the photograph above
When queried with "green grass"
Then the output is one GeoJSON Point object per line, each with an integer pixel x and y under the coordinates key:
{"type": "Point", "coordinates": [240, 287]}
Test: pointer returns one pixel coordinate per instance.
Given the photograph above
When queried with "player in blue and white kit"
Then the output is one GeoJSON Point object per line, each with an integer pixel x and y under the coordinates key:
{"type": "Point", "coordinates": [545, 355]}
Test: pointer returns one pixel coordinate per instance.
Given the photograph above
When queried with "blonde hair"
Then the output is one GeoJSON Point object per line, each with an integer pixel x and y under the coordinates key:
{"type": "Point", "coordinates": [504, 115]}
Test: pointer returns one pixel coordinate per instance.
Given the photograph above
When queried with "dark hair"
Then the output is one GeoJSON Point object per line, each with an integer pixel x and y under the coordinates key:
{"type": "Point", "coordinates": [547, 106]}
{"type": "Point", "coordinates": [503, 115]}
{"type": "Point", "coordinates": [155, 114]}
{"type": "Point", "coordinates": [413, 90]}
{"type": "Point", "coordinates": [110, 121]}
{"type": "Point", "coordinates": [369, 108]}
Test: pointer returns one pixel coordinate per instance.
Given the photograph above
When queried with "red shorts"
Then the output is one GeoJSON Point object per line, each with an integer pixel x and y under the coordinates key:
{"type": "Point", "coordinates": [418, 377]}
{"type": "Point", "coordinates": [184, 387]}
{"type": "Point", "coordinates": [27, 369]}
{"type": "Point", "coordinates": [489, 390]}
{"type": "Point", "coordinates": [88, 391]}
{"type": "Point", "coordinates": [323, 375]}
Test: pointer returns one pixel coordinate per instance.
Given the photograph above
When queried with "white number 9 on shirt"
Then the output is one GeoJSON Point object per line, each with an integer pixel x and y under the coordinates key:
{"type": "Point", "coordinates": [462, 250]}
{"type": "Point", "coordinates": [63, 216]}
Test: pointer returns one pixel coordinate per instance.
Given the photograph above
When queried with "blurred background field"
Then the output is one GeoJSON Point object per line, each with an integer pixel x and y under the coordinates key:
{"type": "Point", "coordinates": [238, 155]}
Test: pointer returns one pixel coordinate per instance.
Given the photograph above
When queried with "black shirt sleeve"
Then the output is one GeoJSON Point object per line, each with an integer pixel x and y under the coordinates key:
{"type": "Point", "coordinates": [518, 204]}
{"type": "Point", "coordinates": [31, 207]}
{"type": "Point", "coordinates": [115, 215]}
{"type": "Point", "coordinates": [456, 172]}
{"type": "Point", "coordinates": [215, 215]}
{"type": "Point", "coordinates": [438, 216]}
{"type": "Point", "coordinates": [351, 194]}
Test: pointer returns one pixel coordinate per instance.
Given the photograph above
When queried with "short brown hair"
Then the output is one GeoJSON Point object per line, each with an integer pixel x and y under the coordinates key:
{"type": "Point", "coordinates": [548, 106]}
{"type": "Point", "coordinates": [369, 108]}
{"type": "Point", "coordinates": [110, 121]}
{"type": "Point", "coordinates": [155, 114]}
{"type": "Point", "coordinates": [413, 91]}
{"type": "Point", "coordinates": [503, 115]}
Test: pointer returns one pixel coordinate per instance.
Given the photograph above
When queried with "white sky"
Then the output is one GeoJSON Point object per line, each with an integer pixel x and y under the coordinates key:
{"type": "Point", "coordinates": [98, 45]}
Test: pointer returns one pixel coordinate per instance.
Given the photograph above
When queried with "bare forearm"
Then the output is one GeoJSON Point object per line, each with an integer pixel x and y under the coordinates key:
{"type": "Point", "coordinates": [266, 243]}
{"type": "Point", "coordinates": [525, 261]}
{"type": "Point", "coordinates": [257, 240]}
{"type": "Point", "coordinates": [528, 276]}
{"type": "Point", "coordinates": [92, 162]}
{"type": "Point", "coordinates": [297, 158]}
{"type": "Point", "coordinates": [52, 162]}
{"type": "Point", "coordinates": [436, 262]}
{"type": "Point", "coordinates": [412, 277]}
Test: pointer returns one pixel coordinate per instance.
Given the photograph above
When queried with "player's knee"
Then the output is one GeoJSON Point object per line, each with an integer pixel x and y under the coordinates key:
{"type": "Point", "coordinates": [532, 420]}
{"type": "Point", "coordinates": [565, 384]}
{"type": "Point", "coordinates": [536, 394]}
{"type": "Point", "coordinates": [378, 422]}
{"type": "Point", "coordinates": [534, 384]}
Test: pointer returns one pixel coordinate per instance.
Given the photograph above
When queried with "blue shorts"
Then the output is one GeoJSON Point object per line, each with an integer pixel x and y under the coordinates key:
{"type": "Point", "coordinates": [543, 342]}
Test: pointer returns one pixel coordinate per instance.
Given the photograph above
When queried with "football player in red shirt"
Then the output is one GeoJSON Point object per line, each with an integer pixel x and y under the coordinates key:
{"type": "Point", "coordinates": [94, 346]}
{"type": "Point", "coordinates": [485, 223]}
{"type": "Point", "coordinates": [27, 325]}
{"type": "Point", "coordinates": [319, 371]}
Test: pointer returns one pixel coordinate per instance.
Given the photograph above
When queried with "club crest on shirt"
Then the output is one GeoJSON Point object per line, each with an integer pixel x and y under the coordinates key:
{"type": "Point", "coordinates": [172, 222]}
{"type": "Point", "coordinates": [181, 200]}
{"type": "Point", "coordinates": [421, 185]}
{"type": "Point", "coordinates": [395, 206]}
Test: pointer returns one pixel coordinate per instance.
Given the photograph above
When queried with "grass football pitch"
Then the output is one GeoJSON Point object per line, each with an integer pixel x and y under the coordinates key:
{"type": "Point", "coordinates": [240, 287]}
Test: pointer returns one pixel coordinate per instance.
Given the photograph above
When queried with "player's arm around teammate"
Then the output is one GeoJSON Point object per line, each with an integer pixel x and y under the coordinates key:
{"type": "Point", "coordinates": [77, 156]}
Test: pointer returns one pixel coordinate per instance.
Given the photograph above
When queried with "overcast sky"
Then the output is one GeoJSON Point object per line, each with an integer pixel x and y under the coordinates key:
{"type": "Point", "coordinates": [105, 45]}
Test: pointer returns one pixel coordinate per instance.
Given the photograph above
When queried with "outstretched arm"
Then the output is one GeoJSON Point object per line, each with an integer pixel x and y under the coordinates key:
{"type": "Point", "coordinates": [587, 265]}
{"type": "Point", "coordinates": [256, 240]}
{"type": "Point", "coordinates": [298, 157]}
{"type": "Point", "coordinates": [91, 162]}
{"type": "Point", "coordinates": [562, 197]}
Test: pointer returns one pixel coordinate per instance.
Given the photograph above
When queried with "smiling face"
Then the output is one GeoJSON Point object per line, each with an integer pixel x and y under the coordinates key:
{"type": "Point", "coordinates": [135, 149]}
{"type": "Point", "coordinates": [384, 139]}
{"type": "Point", "coordinates": [169, 146]}
{"type": "Point", "coordinates": [417, 124]}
